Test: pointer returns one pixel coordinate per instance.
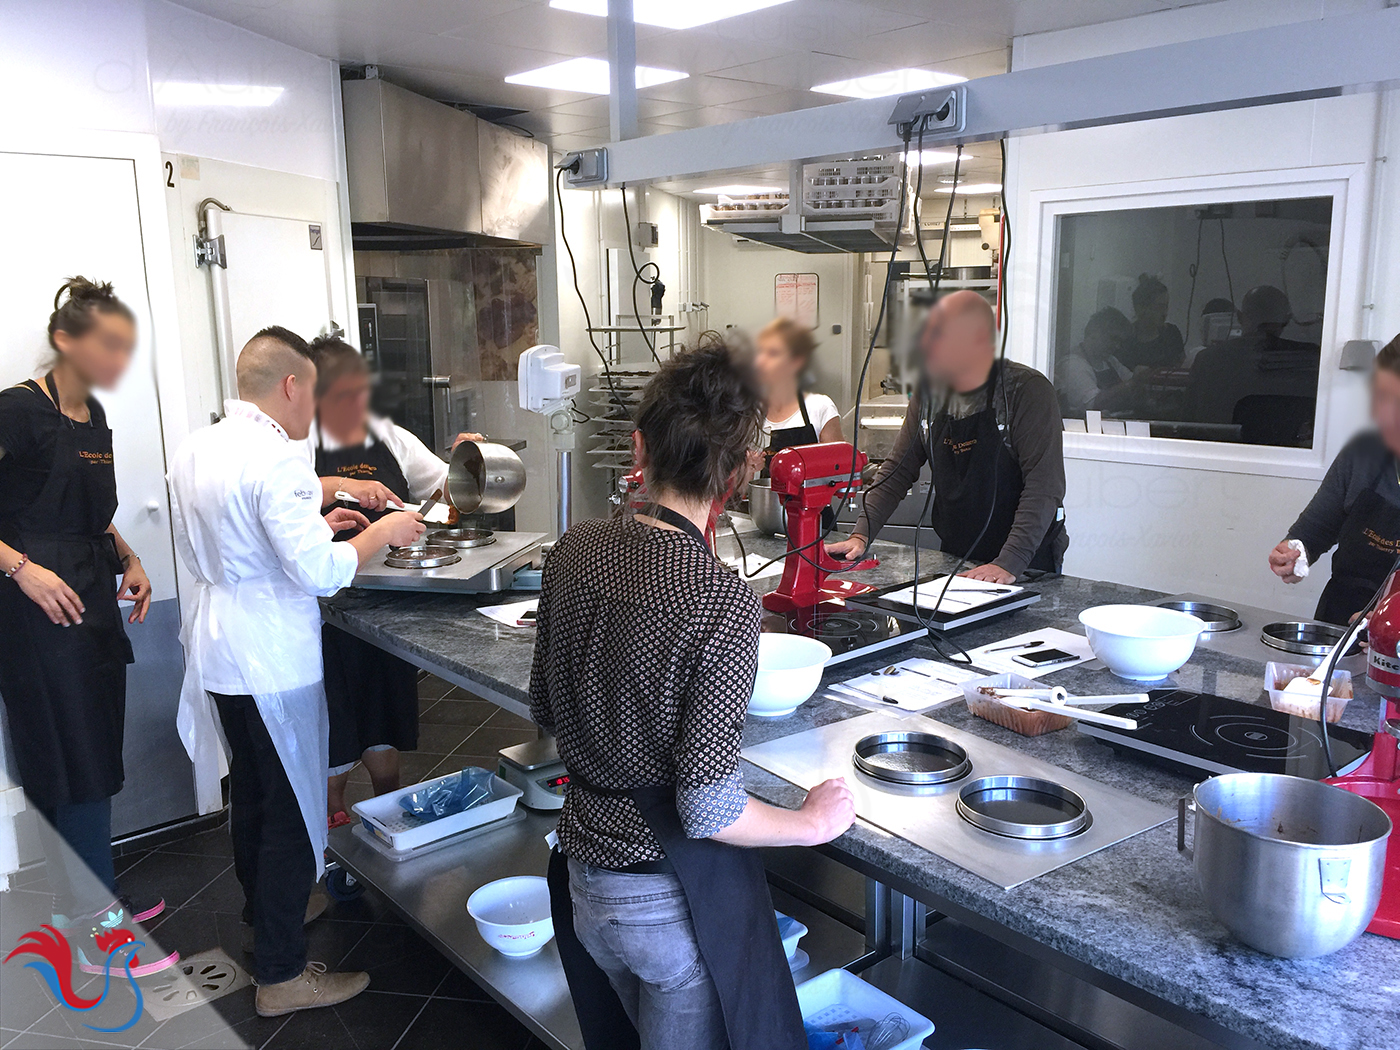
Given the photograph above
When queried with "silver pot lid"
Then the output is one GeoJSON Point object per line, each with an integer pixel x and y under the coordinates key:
{"type": "Point", "coordinates": [1023, 808]}
{"type": "Point", "coordinates": [1305, 639]}
{"type": "Point", "coordinates": [1218, 618]}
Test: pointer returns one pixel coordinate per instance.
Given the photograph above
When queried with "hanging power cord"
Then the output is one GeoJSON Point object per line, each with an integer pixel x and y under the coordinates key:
{"type": "Point", "coordinates": [1225, 258]}
{"type": "Point", "coordinates": [846, 496]}
{"type": "Point", "coordinates": [1194, 270]}
{"type": "Point", "coordinates": [587, 318]}
{"type": "Point", "coordinates": [1338, 652]}
{"type": "Point", "coordinates": [639, 277]}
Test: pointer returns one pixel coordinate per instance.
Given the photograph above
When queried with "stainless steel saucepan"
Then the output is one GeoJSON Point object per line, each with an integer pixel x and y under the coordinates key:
{"type": "Point", "coordinates": [1292, 867]}
{"type": "Point", "coordinates": [484, 478]}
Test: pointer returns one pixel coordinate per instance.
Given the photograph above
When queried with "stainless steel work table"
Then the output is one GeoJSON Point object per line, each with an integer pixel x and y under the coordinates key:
{"type": "Point", "coordinates": [1127, 922]}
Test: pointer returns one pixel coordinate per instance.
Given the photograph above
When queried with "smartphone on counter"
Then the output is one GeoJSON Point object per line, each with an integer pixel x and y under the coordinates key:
{"type": "Point", "coordinates": [1044, 658]}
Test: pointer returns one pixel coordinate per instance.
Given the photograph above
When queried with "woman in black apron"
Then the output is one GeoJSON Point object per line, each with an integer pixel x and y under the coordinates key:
{"type": "Point", "coordinates": [793, 417]}
{"type": "Point", "coordinates": [372, 696]}
{"type": "Point", "coordinates": [1357, 507]}
{"type": "Point", "coordinates": [643, 667]}
{"type": "Point", "coordinates": [977, 485]}
{"type": "Point", "coordinates": [63, 664]}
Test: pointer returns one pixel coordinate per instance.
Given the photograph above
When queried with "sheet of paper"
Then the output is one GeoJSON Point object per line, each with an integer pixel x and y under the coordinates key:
{"type": "Point", "coordinates": [751, 565]}
{"type": "Point", "coordinates": [919, 685]}
{"type": "Point", "coordinates": [962, 594]}
{"type": "Point", "coordinates": [436, 516]}
{"type": "Point", "coordinates": [1002, 662]}
{"type": "Point", "coordinates": [510, 613]}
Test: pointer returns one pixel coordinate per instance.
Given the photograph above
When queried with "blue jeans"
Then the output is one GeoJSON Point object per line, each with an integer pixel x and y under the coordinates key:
{"type": "Point", "coordinates": [638, 929]}
{"type": "Point", "coordinates": [77, 838]}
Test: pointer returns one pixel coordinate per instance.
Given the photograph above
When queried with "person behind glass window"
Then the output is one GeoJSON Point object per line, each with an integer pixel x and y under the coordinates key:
{"type": "Point", "coordinates": [1092, 376]}
{"type": "Point", "coordinates": [1156, 342]}
{"type": "Point", "coordinates": [1217, 325]}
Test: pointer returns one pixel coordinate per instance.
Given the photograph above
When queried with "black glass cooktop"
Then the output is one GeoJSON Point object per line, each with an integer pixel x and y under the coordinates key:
{"type": "Point", "coordinates": [1218, 735]}
{"type": "Point", "coordinates": [850, 632]}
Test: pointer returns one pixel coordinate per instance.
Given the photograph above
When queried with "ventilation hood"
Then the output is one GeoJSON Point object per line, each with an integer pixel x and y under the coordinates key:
{"type": "Point", "coordinates": [425, 175]}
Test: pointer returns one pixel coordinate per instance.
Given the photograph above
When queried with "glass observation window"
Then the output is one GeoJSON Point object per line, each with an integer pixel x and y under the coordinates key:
{"type": "Point", "coordinates": [1199, 321]}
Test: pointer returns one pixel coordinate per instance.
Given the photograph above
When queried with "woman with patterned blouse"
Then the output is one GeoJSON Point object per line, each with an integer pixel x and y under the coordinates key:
{"type": "Point", "coordinates": [644, 664]}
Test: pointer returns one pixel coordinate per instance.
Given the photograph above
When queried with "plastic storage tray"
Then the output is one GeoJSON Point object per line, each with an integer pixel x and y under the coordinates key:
{"type": "Point", "coordinates": [1027, 723]}
{"type": "Point", "coordinates": [1340, 688]}
{"type": "Point", "coordinates": [839, 995]}
{"type": "Point", "coordinates": [386, 820]}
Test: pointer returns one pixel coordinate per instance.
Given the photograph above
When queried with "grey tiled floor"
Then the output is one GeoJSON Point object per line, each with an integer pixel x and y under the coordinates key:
{"type": "Point", "coordinates": [416, 998]}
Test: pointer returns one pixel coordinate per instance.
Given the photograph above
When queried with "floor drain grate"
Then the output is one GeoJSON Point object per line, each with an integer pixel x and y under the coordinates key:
{"type": "Point", "coordinates": [197, 980]}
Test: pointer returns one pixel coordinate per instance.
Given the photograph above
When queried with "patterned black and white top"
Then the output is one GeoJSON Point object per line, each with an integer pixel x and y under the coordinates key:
{"type": "Point", "coordinates": [644, 664]}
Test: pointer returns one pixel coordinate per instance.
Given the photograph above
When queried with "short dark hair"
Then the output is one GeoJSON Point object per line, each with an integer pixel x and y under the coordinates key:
{"type": "Point", "coordinates": [76, 314]}
{"type": "Point", "coordinates": [699, 416]}
{"type": "Point", "coordinates": [1219, 306]}
{"type": "Point", "coordinates": [287, 338]}
{"type": "Point", "coordinates": [1148, 288]}
{"type": "Point", "coordinates": [335, 358]}
{"type": "Point", "coordinates": [1389, 357]}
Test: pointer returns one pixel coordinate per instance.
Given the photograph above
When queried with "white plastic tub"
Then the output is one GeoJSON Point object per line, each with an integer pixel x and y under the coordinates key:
{"type": "Point", "coordinates": [386, 820]}
{"type": "Point", "coordinates": [839, 995]}
{"type": "Point", "coordinates": [1340, 688]}
{"type": "Point", "coordinates": [791, 931]}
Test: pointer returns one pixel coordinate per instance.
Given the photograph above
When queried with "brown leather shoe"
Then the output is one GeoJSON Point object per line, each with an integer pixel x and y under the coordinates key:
{"type": "Point", "coordinates": [315, 987]}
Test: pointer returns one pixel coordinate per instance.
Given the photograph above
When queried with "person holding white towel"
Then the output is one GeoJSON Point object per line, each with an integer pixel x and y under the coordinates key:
{"type": "Point", "coordinates": [248, 525]}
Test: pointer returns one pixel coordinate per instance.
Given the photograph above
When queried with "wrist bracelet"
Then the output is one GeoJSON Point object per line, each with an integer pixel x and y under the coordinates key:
{"type": "Point", "coordinates": [23, 561]}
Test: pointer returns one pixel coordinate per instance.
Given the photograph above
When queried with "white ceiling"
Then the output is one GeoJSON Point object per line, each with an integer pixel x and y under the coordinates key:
{"type": "Point", "coordinates": [765, 62]}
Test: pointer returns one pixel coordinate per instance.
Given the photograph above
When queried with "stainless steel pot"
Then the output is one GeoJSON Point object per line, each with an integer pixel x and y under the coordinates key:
{"type": "Point", "coordinates": [766, 508]}
{"type": "Point", "coordinates": [484, 478]}
{"type": "Point", "coordinates": [1292, 867]}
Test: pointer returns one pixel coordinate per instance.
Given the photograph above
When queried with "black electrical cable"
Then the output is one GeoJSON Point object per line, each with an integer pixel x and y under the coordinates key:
{"type": "Point", "coordinates": [587, 319]}
{"type": "Point", "coordinates": [919, 216]}
{"type": "Point", "coordinates": [1338, 652]}
{"type": "Point", "coordinates": [845, 498]}
{"type": "Point", "coordinates": [1194, 271]}
{"type": "Point", "coordinates": [1229, 283]}
{"type": "Point", "coordinates": [637, 278]}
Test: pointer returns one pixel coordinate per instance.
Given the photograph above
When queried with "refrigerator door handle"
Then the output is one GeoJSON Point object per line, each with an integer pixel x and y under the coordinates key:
{"type": "Point", "coordinates": [437, 380]}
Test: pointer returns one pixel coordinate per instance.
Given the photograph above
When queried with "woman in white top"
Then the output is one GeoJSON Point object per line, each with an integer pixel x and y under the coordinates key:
{"type": "Point", "coordinates": [793, 417]}
{"type": "Point", "coordinates": [372, 696]}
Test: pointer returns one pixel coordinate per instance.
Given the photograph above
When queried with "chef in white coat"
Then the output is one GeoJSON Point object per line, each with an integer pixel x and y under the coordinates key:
{"type": "Point", "coordinates": [248, 524]}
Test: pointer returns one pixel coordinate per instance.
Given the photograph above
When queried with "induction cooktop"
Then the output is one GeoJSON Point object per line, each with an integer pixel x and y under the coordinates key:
{"type": "Point", "coordinates": [848, 631]}
{"type": "Point", "coordinates": [1215, 734]}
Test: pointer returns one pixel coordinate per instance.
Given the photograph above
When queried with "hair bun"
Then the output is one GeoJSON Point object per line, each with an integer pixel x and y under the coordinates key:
{"type": "Point", "coordinates": [81, 290]}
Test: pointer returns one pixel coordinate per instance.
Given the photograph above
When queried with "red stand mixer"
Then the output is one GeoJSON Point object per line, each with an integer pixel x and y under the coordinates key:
{"type": "Point", "coordinates": [808, 479]}
{"type": "Point", "coordinates": [1378, 776]}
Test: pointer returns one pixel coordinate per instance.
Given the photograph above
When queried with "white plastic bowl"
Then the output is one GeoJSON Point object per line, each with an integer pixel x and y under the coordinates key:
{"type": "Point", "coordinates": [789, 670]}
{"type": "Point", "coordinates": [1141, 642]}
{"type": "Point", "coordinates": [512, 915]}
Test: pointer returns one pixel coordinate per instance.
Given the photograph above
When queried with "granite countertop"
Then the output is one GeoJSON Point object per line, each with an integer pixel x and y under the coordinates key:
{"type": "Point", "coordinates": [1132, 911]}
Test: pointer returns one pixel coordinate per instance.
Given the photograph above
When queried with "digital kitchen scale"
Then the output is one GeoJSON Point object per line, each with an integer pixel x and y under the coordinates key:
{"type": "Point", "coordinates": [847, 630]}
{"type": "Point", "coordinates": [1214, 734]}
{"type": "Point", "coordinates": [535, 768]}
{"type": "Point", "coordinates": [886, 600]}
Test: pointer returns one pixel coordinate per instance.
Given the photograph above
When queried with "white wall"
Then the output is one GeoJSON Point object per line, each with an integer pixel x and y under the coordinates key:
{"type": "Point", "coordinates": [1184, 523]}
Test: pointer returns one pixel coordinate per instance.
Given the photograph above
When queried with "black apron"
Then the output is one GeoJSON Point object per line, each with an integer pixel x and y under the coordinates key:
{"type": "Point", "coordinates": [732, 911]}
{"type": "Point", "coordinates": [1366, 549]}
{"type": "Point", "coordinates": [371, 695]}
{"type": "Point", "coordinates": [65, 687]}
{"type": "Point", "coordinates": [790, 437]}
{"type": "Point", "coordinates": [974, 473]}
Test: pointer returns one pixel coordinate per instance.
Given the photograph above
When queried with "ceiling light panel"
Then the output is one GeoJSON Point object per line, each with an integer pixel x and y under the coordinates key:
{"type": "Point", "coordinates": [894, 82]}
{"type": "Point", "coordinates": [932, 157]}
{"type": "Point", "coordinates": [588, 76]}
{"type": "Point", "coordinates": [189, 93]}
{"type": "Point", "coordinates": [671, 14]}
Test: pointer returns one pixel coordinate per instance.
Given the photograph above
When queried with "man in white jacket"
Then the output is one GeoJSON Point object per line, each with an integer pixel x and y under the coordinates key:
{"type": "Point", "coordinates": [248, 525]}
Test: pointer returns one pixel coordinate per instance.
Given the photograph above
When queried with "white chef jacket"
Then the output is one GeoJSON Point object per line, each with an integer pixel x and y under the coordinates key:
{"type": "Point", "coordinates": [247, 510]}
{"type": "Point", "coordinates": [424, 471]}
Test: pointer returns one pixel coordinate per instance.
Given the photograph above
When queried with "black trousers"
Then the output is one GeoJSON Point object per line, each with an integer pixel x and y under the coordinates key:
{"type": "Point", "coordinates": [271, 851]}
{"type": "Point", "coordinates": [77, 838]}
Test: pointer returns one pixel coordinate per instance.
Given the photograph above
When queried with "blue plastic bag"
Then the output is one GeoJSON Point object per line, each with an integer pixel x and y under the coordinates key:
{"type": "Point", "coordinates": [450, 795]}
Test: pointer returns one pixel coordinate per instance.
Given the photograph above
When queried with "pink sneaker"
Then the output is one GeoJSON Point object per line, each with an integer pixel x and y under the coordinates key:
{"type": "Point", "coordinates": [104, 934]}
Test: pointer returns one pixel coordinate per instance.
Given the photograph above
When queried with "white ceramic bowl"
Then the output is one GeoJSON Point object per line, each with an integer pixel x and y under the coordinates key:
{"type": "Point", "coordinates": [789, 670]}
{"type": "Point", "coordinates": [512, 915]}
{"type": "Point", "coordinates": [1141, 642]}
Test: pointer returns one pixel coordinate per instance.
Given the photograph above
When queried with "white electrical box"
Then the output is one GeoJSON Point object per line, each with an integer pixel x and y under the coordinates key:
{"type": "Point", "coordinates": [546, 379]}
